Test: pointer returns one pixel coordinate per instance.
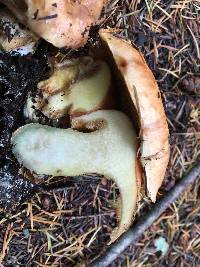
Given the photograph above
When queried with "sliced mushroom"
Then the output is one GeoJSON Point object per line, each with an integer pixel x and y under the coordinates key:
{"type": "Point", "coordinates": [77, 88]}
{"type": "Point", "coordinates": [141, 98]}
{"type": "Point", "coordinates": [63, 23]}
{"type": "Point", "coordinates": [61, 78]}
{"type": "Point", "coordinates": [109, 150]}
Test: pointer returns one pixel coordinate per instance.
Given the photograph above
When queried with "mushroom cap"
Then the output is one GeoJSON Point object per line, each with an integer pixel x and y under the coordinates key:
{"type": "Point", "coordinates": [64, 23]}
{"type": "Point", "coordinates": [140, 91]}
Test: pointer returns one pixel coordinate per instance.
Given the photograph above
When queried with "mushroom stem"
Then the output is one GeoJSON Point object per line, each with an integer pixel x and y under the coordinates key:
{"type": "Point", "coordinates": [127, 209]}
{"type": "Point", "coordinates": [108, 149]}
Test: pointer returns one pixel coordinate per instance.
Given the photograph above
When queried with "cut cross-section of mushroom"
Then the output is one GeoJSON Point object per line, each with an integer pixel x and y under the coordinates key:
{"type": "Point", "coordinates": [108, 149]}
{"type": "Point", "coordinates": [83, 96]}
{"type": "Point", "coordinates": [73, 89]}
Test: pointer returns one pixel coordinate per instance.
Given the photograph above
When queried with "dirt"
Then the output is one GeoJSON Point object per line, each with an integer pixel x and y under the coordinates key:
{"type": "Point", "coordinates": [18, 77]}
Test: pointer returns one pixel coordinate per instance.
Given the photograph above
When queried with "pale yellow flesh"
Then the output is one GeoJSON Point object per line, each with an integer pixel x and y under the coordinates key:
{"type": "Point", "coordinates": [66, 95]}
{"type": "Point", "coordinates": [83, 96]}
{"type": "Point", "coordinates": [109, 151]}
{"type": "Point", "coordinates": [60, 79]}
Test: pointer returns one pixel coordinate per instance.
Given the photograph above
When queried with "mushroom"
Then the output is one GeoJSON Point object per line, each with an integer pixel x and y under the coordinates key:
{"type": "Point", "coordinates": [76, 87]}
{"type": "Point", "coordinates": [139, 97]}
{"type": "Point", "coordinates": [63, 23]}
{"type": "Point", "coordinates": [13, 38]}
{"type": "Point", "coordinates": [108, 149]}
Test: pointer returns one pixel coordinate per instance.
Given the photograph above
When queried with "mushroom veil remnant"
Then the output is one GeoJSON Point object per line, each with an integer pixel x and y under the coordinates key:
{"type": "Point", "coordinates": [109, 150]}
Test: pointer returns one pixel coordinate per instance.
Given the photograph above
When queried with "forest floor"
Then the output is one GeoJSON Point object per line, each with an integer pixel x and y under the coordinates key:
{"type": "Point", "coordinates": [71, 225]}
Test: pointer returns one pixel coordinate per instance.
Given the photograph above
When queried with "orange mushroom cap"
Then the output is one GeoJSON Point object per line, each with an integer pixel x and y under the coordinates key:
{"type": "Point", "coordinates": [144, 94]}
{"type": "Point", "coordinates": [63, 23]}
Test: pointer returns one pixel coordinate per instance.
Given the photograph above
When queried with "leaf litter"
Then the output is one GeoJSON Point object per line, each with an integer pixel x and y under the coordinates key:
{"type": "Point", "coordinates": [66, 226]}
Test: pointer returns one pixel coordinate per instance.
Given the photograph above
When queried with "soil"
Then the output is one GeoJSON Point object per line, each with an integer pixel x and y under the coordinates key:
{"type": "Point", "coordinates": [18, 76]}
